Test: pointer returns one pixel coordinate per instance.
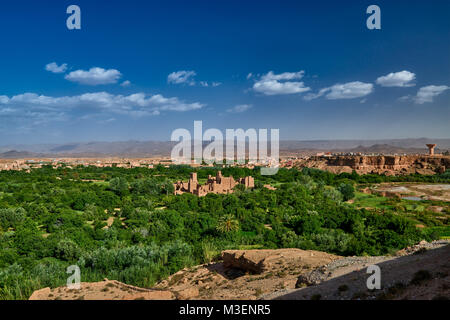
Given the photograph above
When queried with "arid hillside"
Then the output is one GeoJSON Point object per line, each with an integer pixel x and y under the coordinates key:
{"type": "Point", "coordinates": [419, 272]}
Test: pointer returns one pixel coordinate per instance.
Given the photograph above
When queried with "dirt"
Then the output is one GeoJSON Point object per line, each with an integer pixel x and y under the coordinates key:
{"type": "Point", "coordinates": [103, 290]}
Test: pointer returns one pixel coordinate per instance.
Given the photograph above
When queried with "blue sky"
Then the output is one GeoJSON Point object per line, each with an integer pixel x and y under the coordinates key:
{"type": "Point", "coordinates": [137, 70]}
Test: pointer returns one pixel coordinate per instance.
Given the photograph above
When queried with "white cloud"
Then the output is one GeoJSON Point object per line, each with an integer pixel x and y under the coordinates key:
{"type": "Point", "coordinates": [249, 75]}
{"type": "Point", "coordinates": [53, 67]}
{"type": "Point", "coordinates": [95, 76]}
{"type": "Point", "coordinates": [349, 90]}
{"type": "Point", "coordinates": [32, 105]}
{"type": "Point", "coordinates": [126, 83]}
{"type": "Point", "coordinates": [239, 108]}
{"type": "Point", "coordinates": [397, 79]}
{"type": "Point", "coordinates": [207, 84]}
{"type": "Point", "coordinates": [275, 84]}
{"type": "Point", "coordinates": [187, 77]}
{"type": "Point", "coordinates": [180, 77]}
{"type": "Point", "coordinates": [427, 94]}
{"type": "Point", "coordinates": [311, 96]}
{"type": "Point", "coordinates": [4, 99]}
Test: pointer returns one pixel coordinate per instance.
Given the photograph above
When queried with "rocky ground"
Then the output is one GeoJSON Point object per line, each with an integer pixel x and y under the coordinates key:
{"type": "Point", "coordinates": [419, 272]}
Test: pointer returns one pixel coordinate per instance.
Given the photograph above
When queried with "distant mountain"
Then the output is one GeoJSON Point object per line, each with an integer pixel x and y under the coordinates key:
{"type": "Point", "coordinates": [351, 144]}
{"type": "Point", "coordinates": [13, 154]}
{"type": "Point", "coordinates": [387, 149]}
{"type": "Point", "coordinates": [163, 148]}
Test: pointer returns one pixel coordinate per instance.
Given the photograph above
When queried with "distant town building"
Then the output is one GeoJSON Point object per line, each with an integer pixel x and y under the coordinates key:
{"type": "Point", "coordinates": [218, 184]}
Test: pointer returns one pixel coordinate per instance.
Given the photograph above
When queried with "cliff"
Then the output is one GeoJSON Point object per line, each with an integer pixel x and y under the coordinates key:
{"type": "Point", "coordinates": [389, 165]}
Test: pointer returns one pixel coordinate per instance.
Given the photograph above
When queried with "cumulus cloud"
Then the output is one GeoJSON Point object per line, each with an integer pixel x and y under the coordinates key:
{"type": "Point", "coordinates": [427, 94]}
{"type": "Point", "coordinates": [34, 106]}
{"type": "Point", "coordinates": [276, 84]}
{"type": "Point", "coordinates": [53, 67]}
{"type": "Point", "coordinates": [183, 76]}
{"type": "Point", "coordinates": [349, 90]}
{"type": "Point", "coordinates": [397, 79]}
{"type": "Point", "coordinates": [94, 76]}
{"type": "Point", "coordinates": [126, 83]}
{"type": "Point", "coordinates": [239, 108]}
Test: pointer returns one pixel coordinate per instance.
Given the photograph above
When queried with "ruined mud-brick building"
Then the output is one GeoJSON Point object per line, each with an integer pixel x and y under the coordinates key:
{"type": "Point", "coordinates": [218, 184]}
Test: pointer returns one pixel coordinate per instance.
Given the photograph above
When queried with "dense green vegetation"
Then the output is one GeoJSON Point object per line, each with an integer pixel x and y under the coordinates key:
{"type": "Point", "coordinates": [126, 224]}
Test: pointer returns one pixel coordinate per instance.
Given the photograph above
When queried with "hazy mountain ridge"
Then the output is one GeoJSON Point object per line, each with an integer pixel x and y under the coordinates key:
{"type": "Point", "coordinates": [163, 148]}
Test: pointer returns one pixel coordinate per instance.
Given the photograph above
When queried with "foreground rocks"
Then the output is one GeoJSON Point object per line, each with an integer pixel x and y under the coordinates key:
{"type": "Point", "coordinates": [419, 272]}
{"type": "Point", "coordinates": [259, 261]}
{"type": "Point", "coordinates": [247, 274]}
{"type": "Point", "coordinates": [244, 274]}
{"type": "Point", "coordinates": [103, 290]}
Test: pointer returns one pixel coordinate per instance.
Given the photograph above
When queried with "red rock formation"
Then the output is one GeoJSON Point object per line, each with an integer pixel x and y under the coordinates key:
{"type": "Point", "coordinates": [389, 165]}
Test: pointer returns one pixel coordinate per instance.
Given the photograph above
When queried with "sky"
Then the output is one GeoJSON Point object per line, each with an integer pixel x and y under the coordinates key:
{"type": "Point", "coordinates": [137, 70]}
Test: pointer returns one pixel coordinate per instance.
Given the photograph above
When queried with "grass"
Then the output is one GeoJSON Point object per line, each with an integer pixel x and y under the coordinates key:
{"type": "Point", "coordinates": [363, 200]}
{"type": "Point", "coordinates": [414, 210]}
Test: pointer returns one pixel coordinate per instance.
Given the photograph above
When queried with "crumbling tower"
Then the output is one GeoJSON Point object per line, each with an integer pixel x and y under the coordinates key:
{"type": "Point", "coordinates": [193, 183]}
{"type": "Point", "coordinates": [431, 147]}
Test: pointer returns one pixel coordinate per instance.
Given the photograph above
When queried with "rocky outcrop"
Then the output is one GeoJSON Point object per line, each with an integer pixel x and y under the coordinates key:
{"type": "Point", "coordinates": [311, 278]}
{"type": "Point", "coordinates": [103, 290]}
{"type": "Point", "coordinates": [420, 272]}
{"type": "Point", "coordinates": [259, 261]}
{"type": "Point", "coordinates": [281, 272]}
{"type": "Point", "coordinates": [388, 165]}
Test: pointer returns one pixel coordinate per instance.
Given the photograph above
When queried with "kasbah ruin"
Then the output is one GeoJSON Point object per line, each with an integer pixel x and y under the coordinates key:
{"type": "Point", "coordinates": [218, 184]}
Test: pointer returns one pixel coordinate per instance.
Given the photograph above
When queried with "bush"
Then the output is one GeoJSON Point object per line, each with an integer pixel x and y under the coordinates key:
{"type": "Point", "coordinates": [11, 217]}
{"type": "Point", "coordinates": [67, 250]}
{"type": "Point", "coordinates": [347, 190]}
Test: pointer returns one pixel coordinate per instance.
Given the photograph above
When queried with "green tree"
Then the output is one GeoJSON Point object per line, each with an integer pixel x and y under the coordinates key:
{"type": "Point", "coordinates": [11, 217]}
{"type": "Point", "coordinates": [119, 185]}
{"type": "Point", "coordinates": [227, 223]}
{"type": "Point", "coordinates": [347, 190]}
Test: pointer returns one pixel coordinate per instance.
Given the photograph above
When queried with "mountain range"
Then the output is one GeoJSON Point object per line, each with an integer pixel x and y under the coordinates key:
{"type": "Point", "coordinates": [163, 148]}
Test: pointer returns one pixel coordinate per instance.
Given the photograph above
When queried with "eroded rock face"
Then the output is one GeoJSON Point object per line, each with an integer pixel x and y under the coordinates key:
{"type": "Point", "coordinates": [388, 165]}
{"type": "Point", "coordinates": [258, 261]}
{"type": "Point", "coordinates": [253, 262]}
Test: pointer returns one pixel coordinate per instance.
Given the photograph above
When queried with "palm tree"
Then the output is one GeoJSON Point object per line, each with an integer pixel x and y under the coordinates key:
{"type": "Point", "coordinates": [227, 223]}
